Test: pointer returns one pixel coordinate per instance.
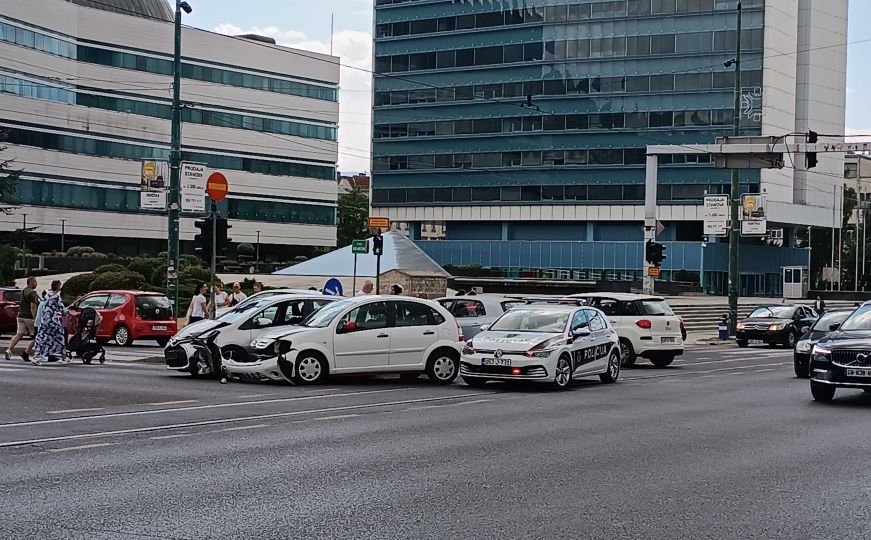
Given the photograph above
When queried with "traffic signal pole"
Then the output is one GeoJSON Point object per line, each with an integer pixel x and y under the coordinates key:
{"type": "Point", "coordinates": [214, 218]}
{"type": "Point", "coordinates": [650, 181]}
{"type": "Point", "coordinates": [735, 230]}
{"type": "Point", "coordinates": [172, 252]}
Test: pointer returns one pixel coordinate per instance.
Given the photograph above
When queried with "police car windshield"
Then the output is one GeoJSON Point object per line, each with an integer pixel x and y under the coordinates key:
{"type": "Point", "coordinates": [532, 320]}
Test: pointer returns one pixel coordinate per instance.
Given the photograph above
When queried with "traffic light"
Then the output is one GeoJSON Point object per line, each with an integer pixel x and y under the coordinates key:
{"type": "Point", "coordinates": [811, 157]}
{"type": "Point", "coordinates": [654, 253]}
{"type": "Point", "coordinates": [221, 239]}
{"type": "Point", "coordinates": [378, 245]}
{"type": "Point", "coordinates": [203, 240]}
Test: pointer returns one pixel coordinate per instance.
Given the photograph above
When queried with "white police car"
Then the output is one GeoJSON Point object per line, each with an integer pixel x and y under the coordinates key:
{"type": "Point", "coordinates": [553, 342]}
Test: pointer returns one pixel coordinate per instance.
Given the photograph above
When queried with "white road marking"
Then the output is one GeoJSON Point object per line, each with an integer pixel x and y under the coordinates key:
{"type": "Point", "coordinates": [67, 411]}
{"type": "Point", "coordinates": [715, 362]}
{"type": "Point", "coordinates": [179, 402]}
{"type": "Point", "coordinates": [447, 405]}
{"type": "Point", "coordinates": [334, 417]}
{"type": "Point", "coordinates": [249, 396]}
{"type": "Point", "coordinates": [762, 370]}
{"type": "Point", "coordinates": [230, 420]}
{"type": "Point", "coordinates": [161, 437]}
{"type": "Point", "coordinates": [83, 447]}
{"type": "Point", "coordinates": [240, 428]}
{"type": "Point", "coordinates": [201, 407]}
{"type": "Point", "coordinates": [703, 371]}
{"type": "Point", "coordinates": [10, 369]}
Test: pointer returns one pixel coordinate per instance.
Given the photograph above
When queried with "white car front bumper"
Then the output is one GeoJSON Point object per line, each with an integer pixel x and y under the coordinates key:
{"type": "Point", "coordinates": [520, 368]}
{"type": "Point", "coordinates": [259, 371]}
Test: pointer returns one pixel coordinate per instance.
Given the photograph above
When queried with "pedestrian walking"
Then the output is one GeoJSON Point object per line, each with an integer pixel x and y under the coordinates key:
{"type": "Point", "coordinates": [199, 305]}
{"type": "Point", "coordinates": [367, 289]}
{"type": "Point", "coordinates": [237, 296]}
{"type": "Point", "coordinates": [39, 311]}
{"type": "Point", "coordinates": [50, 340]}
{"type": "Point", "coordinates": [26, 311]}
{"type": "Point", "coordinates": [819, 305]}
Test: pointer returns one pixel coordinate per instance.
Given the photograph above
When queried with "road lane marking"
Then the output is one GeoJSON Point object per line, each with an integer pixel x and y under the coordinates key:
{"type": "Point", "coordinates": [715, 362]}
{"type": "Point", "coordinates": [249, 396]}
{"type": "Point", "coordinates": [334, 417]}
{"type": "Point", "coordinates": [10, 369]}
{"type": "Point", "coordinates": [165, 427]}
{"type": "Point", "coordinates": [82, 447]}
{"type": "Point", "coordinates": [240, 428]}
{"type": "Point", "coordinates": [447, 405]}
{"type": "Point", "coordinates": [179, 402]}
{"type": "Point", "coordinates": [162, 437]}
{"type": "Point", "coordinates": [66, 411]}
{"type": "Point", "coordinates": [202, 407]}
{"type": "Point", "coordinates": [672, 372]}
{"type": "Point", "coordinates": [763, 370]}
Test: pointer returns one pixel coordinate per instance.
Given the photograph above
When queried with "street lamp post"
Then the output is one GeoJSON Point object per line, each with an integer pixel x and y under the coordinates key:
{"type": "Point", "coordinates": [257, 254]}
{"type": "Point", "coordinates": [734, 276]}
{"type": "Point", "coordinates": [63, 230]}
{"type": "Point", "coordinates": [172, 251]}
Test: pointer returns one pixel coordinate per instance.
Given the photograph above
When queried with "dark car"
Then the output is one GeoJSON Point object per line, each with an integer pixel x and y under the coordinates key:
{"type": "Point", "coordinates": [842, 359]}
{"type": "Point", "coordinates": [828, 321]}
{"type": "Point", "coordinates": [777, 324]}
{"type": "Point", "coordinates": [10, 298]}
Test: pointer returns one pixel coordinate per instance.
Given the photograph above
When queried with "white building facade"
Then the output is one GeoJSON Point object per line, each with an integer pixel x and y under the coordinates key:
{"type": "Point", "coordinates": [85, 97]}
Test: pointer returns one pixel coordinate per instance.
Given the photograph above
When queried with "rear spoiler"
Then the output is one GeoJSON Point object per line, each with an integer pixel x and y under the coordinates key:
{"type": "Point", "coordinates": [552, 300]}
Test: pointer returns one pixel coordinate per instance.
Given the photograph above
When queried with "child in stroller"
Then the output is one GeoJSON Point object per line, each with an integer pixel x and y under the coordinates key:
{"type": "Point", "coordinates": [83, 342]}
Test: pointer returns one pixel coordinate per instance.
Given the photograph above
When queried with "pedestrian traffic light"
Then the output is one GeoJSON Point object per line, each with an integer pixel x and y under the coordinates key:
{"type": "Point", "coordinates": [378, 245]}
{"type": "Point", "coordinates": [222, 241]}
{"type": "Point", "coordinates": [810, 158]}
{"type": "Point", "coordinates": [203, 240]}
{"type": "Point", "coordinates": [654, 253]}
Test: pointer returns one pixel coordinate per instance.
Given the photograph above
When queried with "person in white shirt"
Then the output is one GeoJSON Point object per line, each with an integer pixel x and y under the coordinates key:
{"type": "Point", "coordinates": [367, 289]}
{"type": "Point", "coordinates": [237, 296]}
{"type": "Point", "coordinates": [222, 299]}
{"type": "Point", "coordinates": [197, 309]}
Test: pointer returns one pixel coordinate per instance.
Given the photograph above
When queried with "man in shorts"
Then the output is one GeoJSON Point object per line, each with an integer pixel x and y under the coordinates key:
{"type": "Point", "coordinates": [26, 311]}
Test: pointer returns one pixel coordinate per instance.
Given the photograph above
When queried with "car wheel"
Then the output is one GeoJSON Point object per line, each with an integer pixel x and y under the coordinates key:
{"type": "Point", "coordinates": [443, 367]}
{"type": "Point", "coordinates": [822, 392]}
{"type": "Point", "coordinates": [475, 382]}
{"type": "Point", "coordinates": [121, 335]}
{"type": "Point", "coordinates": [563, 374]}
{"type": "Point", "coordinates": [742, 344]}
{"type": "Point", "coordinates": [163, 342]}
{"type": "Point", "coordinates": [613, 372]}
{"type": "Point", "coordinates": [234, 353]}
{"type": "Point", "coordinates": [790, 340]}
{"type": "Point", "coordinates": [627, 353]}
{"type": "Point", "coordinates": [802, 372]}
{"type": "Point", "coordinates": [663, 360]}
{"type": "Point", "coordinates": [310, 368]}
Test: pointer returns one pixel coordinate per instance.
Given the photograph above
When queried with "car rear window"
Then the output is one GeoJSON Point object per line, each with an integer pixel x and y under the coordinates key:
{"type": "Point", "coordinates": [512, 304]}
{"type": "Point", "coordinates": [655, 307]}
{"type": "Point", "coordinates": [12, 296]}
{"type": "Point", "coordinates": [154, 307]}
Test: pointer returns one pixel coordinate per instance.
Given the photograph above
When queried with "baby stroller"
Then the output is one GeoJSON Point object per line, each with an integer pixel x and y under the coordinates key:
{"type": "Point", "coordinates": [83, 342]}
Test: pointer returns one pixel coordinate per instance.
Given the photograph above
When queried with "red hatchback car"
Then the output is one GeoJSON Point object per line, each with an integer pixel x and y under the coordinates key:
{"type": "Point", "coordinates": [131, 315]}
{"type": "Point", "coordinates": [10, 298]}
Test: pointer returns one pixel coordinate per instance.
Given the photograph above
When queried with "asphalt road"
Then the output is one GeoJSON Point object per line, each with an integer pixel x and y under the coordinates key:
{"type": "Point", "coordinates": [724, 444]}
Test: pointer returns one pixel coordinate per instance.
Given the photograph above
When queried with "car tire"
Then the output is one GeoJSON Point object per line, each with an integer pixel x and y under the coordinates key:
{"type": "Point", "coordinates": [475, 382]}
{"type": "Point", "coordinates": [801, 372]}
{"type": "Point", "coordinates": [613, 369]}
{"type": "Point", "coordinates": [742, 344]}
{"type": "Point", "coordinates": [627, 353]}
{"type": "Point", "coordinates": [790, 340]}
{"type": "Point", "coordinates": [163, 342]}
{"type": "Point", "coordinates": [822, 392]}
{"type": "Point", "coordinates": [562, 376]}
{"type": "Point", "coordinates": [234, 353]}
{"type": "Point", "coordinates": [311, 368]}
{"type": "Point", "coordinates": [443, 366]}
{"type": "Point", "coordinates": [121, 336]}
{"type": "Point", "coordinates": [663, 360]}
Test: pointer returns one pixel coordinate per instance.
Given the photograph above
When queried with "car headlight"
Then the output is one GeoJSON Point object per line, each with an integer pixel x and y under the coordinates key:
{"type": "Point", "coordinates": [775, 327]}
{"type": "Point", "coordinates": [544, 353]}
{"type": "Point", "coordinates": [822, 352]}
{"type": "Point", "coordinates": [740, 326]}
{"type": "Point", "coordinates": [803, 346]}
{"type": "Point", "coordinates": [261, 343]}
{"type": "Point", "coordinates": [468, 348]}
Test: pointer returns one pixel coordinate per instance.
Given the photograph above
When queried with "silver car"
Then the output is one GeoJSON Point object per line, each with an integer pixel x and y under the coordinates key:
{"type": "Point", "coordinates": [473, 312]}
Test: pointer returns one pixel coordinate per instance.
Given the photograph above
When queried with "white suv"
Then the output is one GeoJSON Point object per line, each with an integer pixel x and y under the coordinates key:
{"type": "Point", "coordinates": [646, 325]}
{"type": "Point", "coordinates": [365, 334]}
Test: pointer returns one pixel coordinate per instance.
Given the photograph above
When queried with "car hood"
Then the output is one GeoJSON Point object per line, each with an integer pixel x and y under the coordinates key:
{"type": "Point", "coordinates": [848, 339]}
{"type": "Point", "coordinates": [766, 320]}
{"type": "Point", "coordinates": [510, 341]}
{"type": "Point", "coordinates": [285, 332]}
{"type": "Point", "coordinates": [199, 328]}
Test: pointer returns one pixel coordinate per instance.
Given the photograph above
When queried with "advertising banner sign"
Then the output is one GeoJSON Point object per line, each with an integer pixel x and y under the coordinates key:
{"type": "Point", "coordinates": [754, 221]}
{"type": "Point", "coordinates": [716, 215]}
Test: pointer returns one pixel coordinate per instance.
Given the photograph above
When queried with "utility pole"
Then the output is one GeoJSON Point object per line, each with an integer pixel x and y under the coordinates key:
{"type": "Point", "coordinates": [734, 277]}
{"type": "Point", "coordinates": [24, 244]}
{"type": "Point", "coordinates": [214, 218]}
{"type": "Point", "coordinates": [257, 254]}
{"type": "Point", "coordinates": [174, 210]}
{"type": "Point", "coordinates": [63, 227]}
{"type": "Point", "coordinates": [834, 218]}
{"type": "Point", "coordinates": [856, 239]}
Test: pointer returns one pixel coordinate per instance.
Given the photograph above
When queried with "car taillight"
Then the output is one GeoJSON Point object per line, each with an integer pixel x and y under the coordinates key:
{"type": "Point", "coordinates": [459, 332]}
{"type": "Point", "coordinates": [644, 323]}
{"type": "Point", "coordinates": [683, 330]}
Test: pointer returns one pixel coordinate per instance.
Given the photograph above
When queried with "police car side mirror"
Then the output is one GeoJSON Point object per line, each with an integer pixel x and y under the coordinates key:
{"type": "Point", "coordinates": [581, 332]}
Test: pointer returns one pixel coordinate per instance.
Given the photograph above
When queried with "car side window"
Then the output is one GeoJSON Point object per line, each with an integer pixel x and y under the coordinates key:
{"type": "Point", "coordinates": [608, 307]}
{"type": "Point", "coordinates": [627, 309]}
{"type": "Point", "coordinates": [270, 313]}
{"type": "Point", "coordinates": [447, 303]}
{"type": "Point", "coordinates": [580, 320]}
{"type": "Point", "coordinates": [436, 316]}
{"type": "Point", "coordinates": [294, 312]}
{"type": "Point", "coordinates": [98, 301]}
{"type": "Point", "coordinates": [116, 300]}
{"type": "Point", "coordinates": [411, 314]}
{"type": "Point", "coordinates": [596, 321]}
{"type": "Point", "coordinates": [366, 317]}
{"type": "Point", "coordinates": [468, 308]}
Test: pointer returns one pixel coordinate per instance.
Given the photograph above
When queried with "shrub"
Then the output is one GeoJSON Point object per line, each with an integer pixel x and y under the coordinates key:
{"type": "Point", "coordinates": [109, 268]}
{"type": "Point", "coordinates": [7, 264]}
{"type": "Point", "coordinates": [245, 249]}
{"type": "Point", "coordinates": [78, 251]}
{"type": "Point", "coordinates": [76, 286]}
{"type": "Point", "coordinates": [118, 280]}
{"type": "Point", "coordinates": [144, 266]}
{"type": "Point", "coordinates": [95, 255]}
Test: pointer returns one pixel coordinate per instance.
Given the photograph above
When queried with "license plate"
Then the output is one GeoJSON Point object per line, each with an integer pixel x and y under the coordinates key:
{"type": "Point", "coordinates": [755, 341]}
{"type": "Point", "coordinates": [496, 362]}
{"type": "Point", "coordinates": [158, 328]}
{"type": "Point", "coordinates": [859, 373]}
{"type": "Point", "coordinates": [667, 340]}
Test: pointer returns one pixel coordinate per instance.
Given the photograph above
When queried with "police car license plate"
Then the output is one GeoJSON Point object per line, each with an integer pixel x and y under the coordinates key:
{"type": "Point", "coordinates": [158, 328]}
{"type": "Point", "coordinates": [496, 362]}
{"type": "Point", "coordinates": [859, 373]}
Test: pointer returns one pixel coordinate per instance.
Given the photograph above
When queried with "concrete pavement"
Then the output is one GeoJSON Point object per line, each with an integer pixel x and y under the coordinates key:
{"type": "Point", "coordinates": [724, 444]}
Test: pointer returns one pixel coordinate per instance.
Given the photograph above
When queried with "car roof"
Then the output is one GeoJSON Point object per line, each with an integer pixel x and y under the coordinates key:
{"type": "Point", "coordinates": [624, 297]}
{"type": "Point", "coordinates": [125, 291]}
{"type": "Point", "coordinates": [292, 296]}
{"type": "Point", "coordinates": [552, 306]}
{"type": "Point", "coordinates": [492, 298]}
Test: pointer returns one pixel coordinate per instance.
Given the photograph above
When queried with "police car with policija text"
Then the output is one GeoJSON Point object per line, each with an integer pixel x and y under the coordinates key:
{"type": "Point", "coordinates": [549, 340]}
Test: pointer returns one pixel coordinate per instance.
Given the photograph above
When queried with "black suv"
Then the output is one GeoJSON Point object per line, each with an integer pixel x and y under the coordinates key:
{"type": "Point", "coordinates": [828, 321]}
{"type": "Point", "coordinates": [843, 358]}
{"type": "Point", "coordinates": [777, 324]}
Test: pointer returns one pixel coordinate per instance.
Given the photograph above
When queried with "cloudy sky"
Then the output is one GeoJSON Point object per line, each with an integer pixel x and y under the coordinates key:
{"type": "Point", "coordinates": [306, 24]}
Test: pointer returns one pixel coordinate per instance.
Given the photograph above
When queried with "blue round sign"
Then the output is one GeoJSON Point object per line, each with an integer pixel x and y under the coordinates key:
{"type": "Point", "coordinates": [333, 287]}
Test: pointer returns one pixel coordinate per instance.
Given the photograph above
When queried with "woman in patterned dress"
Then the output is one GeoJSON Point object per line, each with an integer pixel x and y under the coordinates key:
{"type": "Point", "coordinates": [50, 340]}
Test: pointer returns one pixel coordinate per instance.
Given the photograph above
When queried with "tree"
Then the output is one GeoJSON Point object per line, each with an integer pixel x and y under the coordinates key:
{"type": "Point", "coordinates": [821, 245]}
{"type": "Point", "coordinates": [9, 179]}
{"type": "Point", "coordinates": [353, 214]}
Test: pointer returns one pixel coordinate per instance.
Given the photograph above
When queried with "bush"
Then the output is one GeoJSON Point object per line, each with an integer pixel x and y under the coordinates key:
{"type": "Point", "coordinates": [76, 286]}
{"type": "Point", "coordinates": [144, 266]}
{"type": "Point", "coordinates": [245, 249]}
{"type": "Point", "coordinates": [78, 251]}
{"type": "Point", "coordinates": [109, 268]}
{"type": "Point", "coordinates": [118, 280]}
{"type": "Point", "coordinates": [7, 264]}
{"type": "Point", "coordinates": [95, 255]}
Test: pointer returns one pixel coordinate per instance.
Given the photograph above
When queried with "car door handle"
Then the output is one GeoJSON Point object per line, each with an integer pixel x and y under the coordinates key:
{"type": "Point", "coordinates": [429, 333]}
{"type": "Point", "coordinates": [383, 335]}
